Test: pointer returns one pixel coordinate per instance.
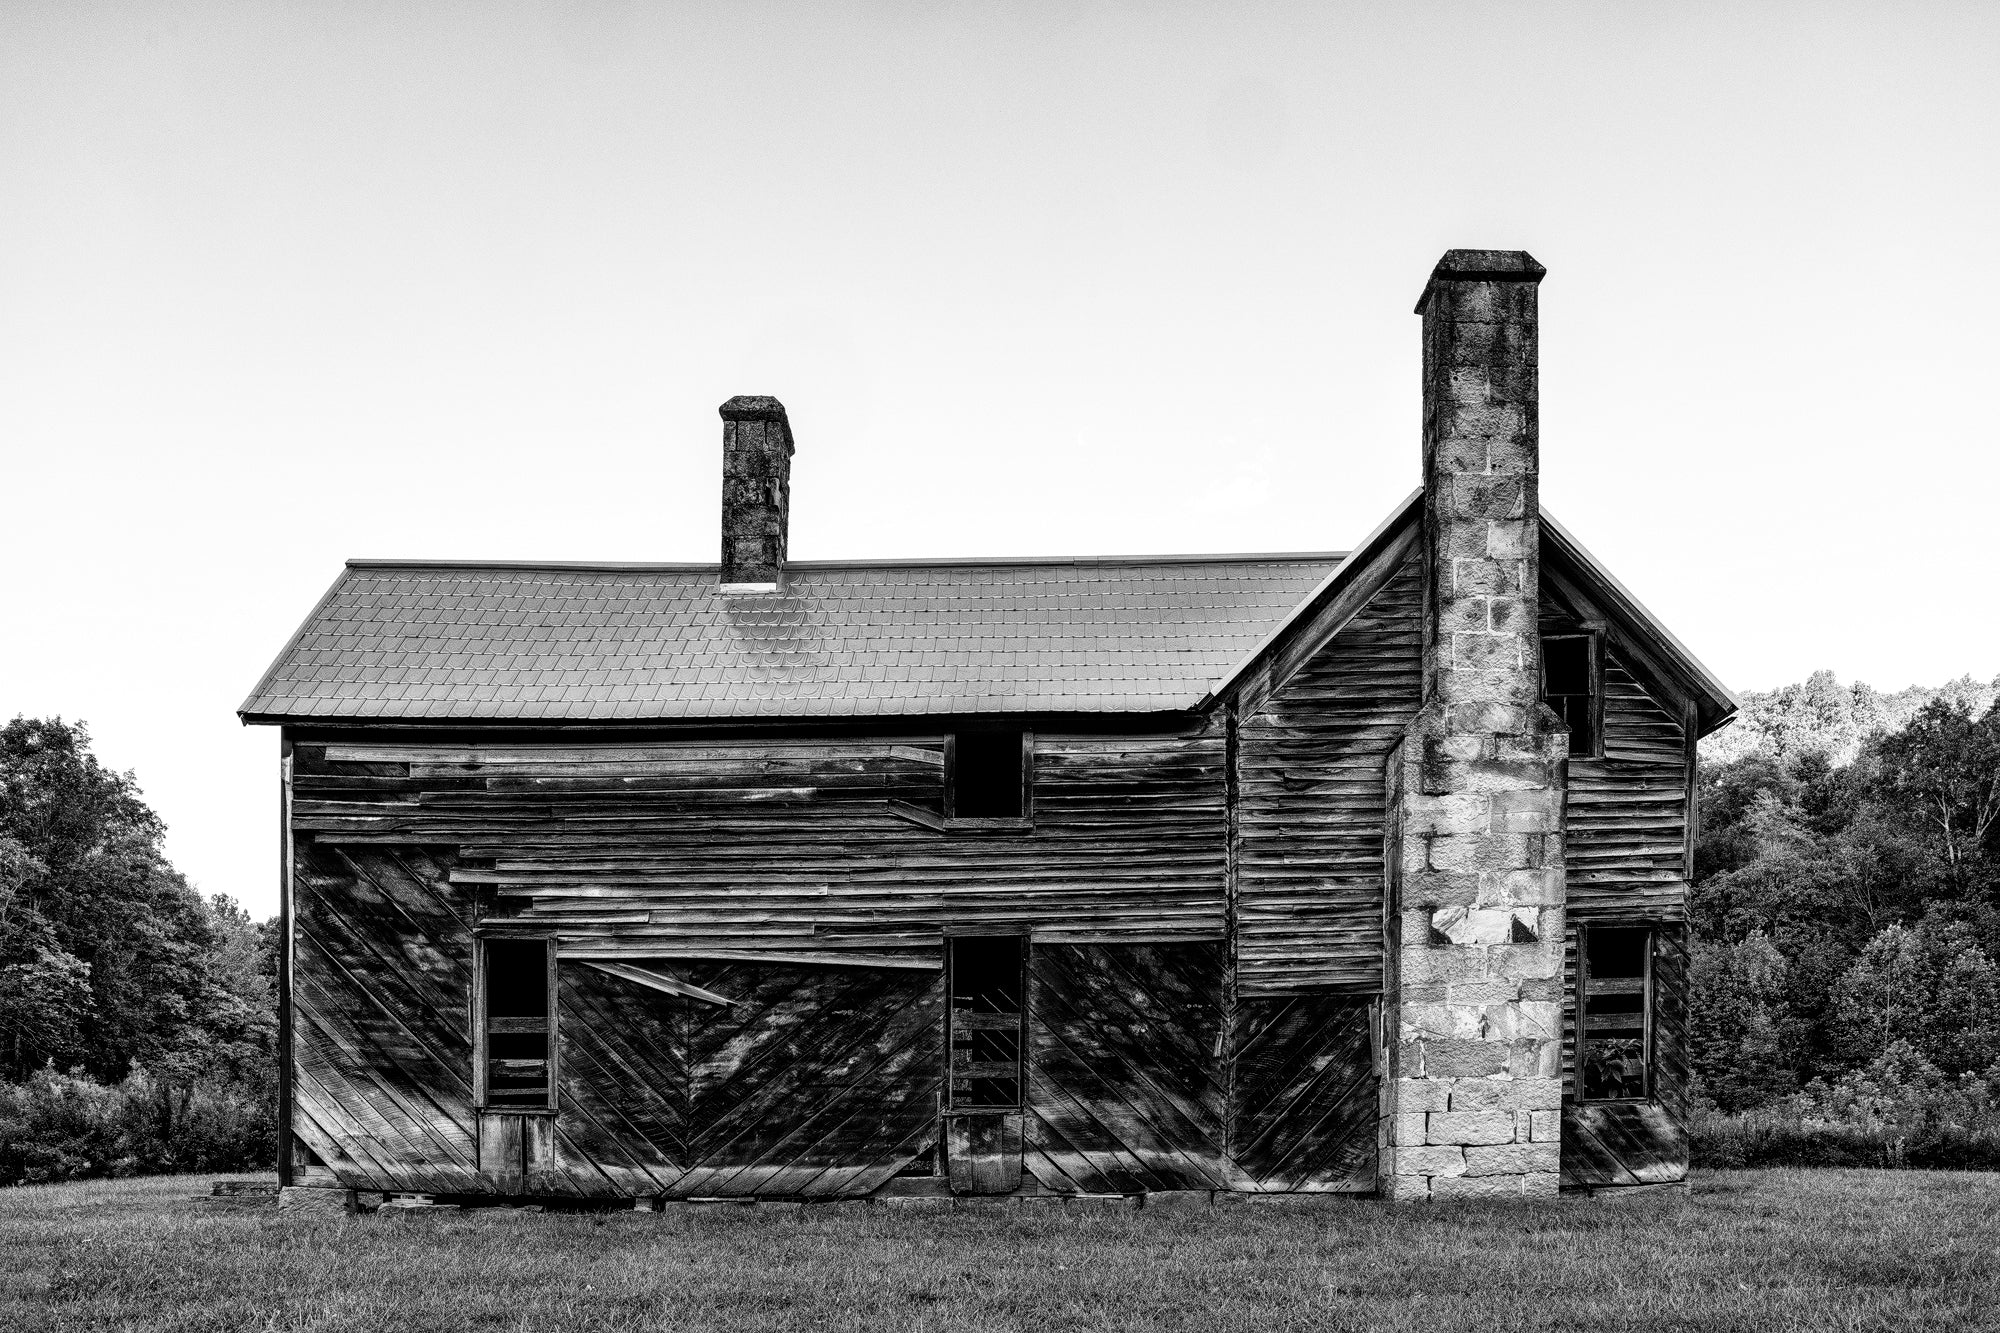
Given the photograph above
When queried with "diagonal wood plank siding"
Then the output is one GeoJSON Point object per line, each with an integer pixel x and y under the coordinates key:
{"type": "Point", "coordinates": [1125, 1086]}
{"type": "Point", "coordinates": [1670, 1022]}
{"type": "Point", "coordinates": [1303, 1094]}
{"type": "Point", "coordinates": [382, 1053]}
{"type": "Point", "coordinates": [1310, 758]}
{"type": "Point", "coordinates": [818, 1081]}
{"type": "Point", "coordinates": [623, 1093]}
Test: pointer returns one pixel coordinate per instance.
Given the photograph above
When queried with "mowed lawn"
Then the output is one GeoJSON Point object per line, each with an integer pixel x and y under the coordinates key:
{"type": "Point", "coordinates": [1750, 1250]}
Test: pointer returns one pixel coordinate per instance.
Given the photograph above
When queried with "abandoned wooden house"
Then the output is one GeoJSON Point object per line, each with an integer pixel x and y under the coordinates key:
{"type": "Point", "coordinates": [1356, 872]}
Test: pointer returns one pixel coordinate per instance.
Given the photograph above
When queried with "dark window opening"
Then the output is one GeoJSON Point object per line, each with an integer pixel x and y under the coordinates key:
{"type": "Point", "coordinates": [988, 776]}
{"type": "Point", "coordinates": [515, 1027]}
{"type": "Point", "coordinates": [1569, 687]}
{"type": "Point", "coordinates": [1615, 1011]}
{"type": "Point", "coordinates": [986, 1022]}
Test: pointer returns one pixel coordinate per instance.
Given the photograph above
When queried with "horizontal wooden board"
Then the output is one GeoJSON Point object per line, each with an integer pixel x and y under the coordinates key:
{"type": "Point", "coordinates": [791, 849]}
{"type": "Point", "coordinates": [1309, 776]}
{"type": "Point", "coordinates": [1626, 845]}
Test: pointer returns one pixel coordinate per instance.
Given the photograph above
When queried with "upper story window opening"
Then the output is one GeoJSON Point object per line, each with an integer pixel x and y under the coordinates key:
{"type": "Point", "coordinates": [1572, 676]}
{"type": "Point", "coordinates": [988, 775]}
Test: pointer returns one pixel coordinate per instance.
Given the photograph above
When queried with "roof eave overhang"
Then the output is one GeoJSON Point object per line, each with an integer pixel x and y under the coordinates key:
{"type": "Point", "coordinates": [249, 716]}
{"type": "Point", "coordinates": [1714, 703]}
{"type": "Point", "coordinates": [1151, 719]}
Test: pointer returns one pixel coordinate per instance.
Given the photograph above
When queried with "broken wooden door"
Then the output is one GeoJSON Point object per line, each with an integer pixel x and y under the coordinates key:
{"type": "Point", "coordinates": [985, 1022]}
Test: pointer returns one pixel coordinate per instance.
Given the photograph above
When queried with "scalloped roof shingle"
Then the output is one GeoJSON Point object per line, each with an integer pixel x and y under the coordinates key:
{"type": "Point", "coordinates": [430, 642]}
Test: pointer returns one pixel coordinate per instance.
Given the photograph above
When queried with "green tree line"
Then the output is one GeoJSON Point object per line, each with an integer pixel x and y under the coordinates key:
{"type": "Point", "coordinates": [1846, 910]}
{"type": "Point", "coordinates": [138, 1029]}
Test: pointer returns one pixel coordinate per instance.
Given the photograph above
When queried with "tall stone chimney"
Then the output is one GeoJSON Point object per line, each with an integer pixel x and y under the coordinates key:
{"type": "Point", "coordinates": [1472, 995]}
{"type": "Point", "coordinates": [756, 492]}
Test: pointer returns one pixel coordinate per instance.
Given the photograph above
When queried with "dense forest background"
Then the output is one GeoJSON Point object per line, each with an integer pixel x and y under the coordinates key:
{"type": "Point", "coordinates": [138, 1021]}
{"type": "Point", "coordinates": [1845, 916]}
{"type": "Point", "coordinates": [1846, 924]}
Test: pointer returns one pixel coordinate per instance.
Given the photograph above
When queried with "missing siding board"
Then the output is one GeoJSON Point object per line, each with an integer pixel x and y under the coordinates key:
{"type": "Point", "coordinates": [986, 1021]}
{"type": "Point", "coordinates": [515, 1062]}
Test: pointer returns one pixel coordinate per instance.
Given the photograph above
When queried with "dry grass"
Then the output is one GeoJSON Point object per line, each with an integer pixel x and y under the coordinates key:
{"type": "Point", "coordinates": [1752, 1250]}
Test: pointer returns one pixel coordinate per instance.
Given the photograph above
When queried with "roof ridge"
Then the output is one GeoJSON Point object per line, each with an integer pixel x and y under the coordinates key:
{"type": "Point", "coordinates": [980, 562]}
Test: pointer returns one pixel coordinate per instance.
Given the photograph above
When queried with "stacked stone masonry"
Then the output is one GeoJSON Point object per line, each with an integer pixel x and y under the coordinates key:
{"type": "Point", "coordinates": [1471, 1101]}
{"type": "Point", "coordinates": [756, 490]}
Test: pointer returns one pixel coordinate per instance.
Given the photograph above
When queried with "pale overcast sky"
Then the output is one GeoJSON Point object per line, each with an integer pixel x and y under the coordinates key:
{"type": "Point", "coordinates": [286, 283]}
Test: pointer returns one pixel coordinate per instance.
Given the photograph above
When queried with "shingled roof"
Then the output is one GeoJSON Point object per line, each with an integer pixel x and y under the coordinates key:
{"type": "Point", "coordinates": [446, 643]}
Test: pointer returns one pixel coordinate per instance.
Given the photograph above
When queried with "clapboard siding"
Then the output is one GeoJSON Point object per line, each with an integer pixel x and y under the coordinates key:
{"type": "Point", "coordinates": [1627, 812]}
{"type": "Point", "coordinates": [792, 850]}
{"type": "Point", "coordinates": [1310, 758]}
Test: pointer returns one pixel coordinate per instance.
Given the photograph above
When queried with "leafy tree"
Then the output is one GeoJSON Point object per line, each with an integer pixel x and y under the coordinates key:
{"type": "Point", "coordinates": [1930, 986]}
{"type": "Point", "coordinates": [1943, 772]}
{"type": "Point", "coordinates": [1740, 1023]}
{"type": "Point", "coordinates": [108, 957]}
{"type": "Point", "coordinates": [43, 1003]}
{"type": "Point", "coordinates": [1901, 1092]}
{"type": "Point", "coordinates": [160, 1004]}
{"type": "Point", "coordinates": [1833, 830]}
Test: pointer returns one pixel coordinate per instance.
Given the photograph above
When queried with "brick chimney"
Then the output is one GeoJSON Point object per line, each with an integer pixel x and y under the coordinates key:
{"type": "Point", "coordinates": [1472, 991]}
{"type": "Point", "coordinates": [756, 492]}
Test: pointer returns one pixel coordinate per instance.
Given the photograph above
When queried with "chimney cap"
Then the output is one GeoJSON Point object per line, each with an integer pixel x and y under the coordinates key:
{"type": "Point", "coordinates": [755, 407]}
{"type": "Point", "coordinates": [1482, 266]}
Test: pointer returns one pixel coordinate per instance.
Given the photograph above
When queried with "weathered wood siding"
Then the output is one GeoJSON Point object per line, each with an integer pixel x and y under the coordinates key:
{"type": "Point", "coordinates": [1627, 812]}
{"type": "Point", "coordinates": [755, 849]}
{"type": "Point", "coordinates": [1632, 1143]}
{"type": "Point", "coordinates": [818, 1081]}
{"type": "Point", "coordinates": [1626, 859]}
{"type": "Point", "coordinates": [1136, 1087]}
{"type": "Point", "coordinates": [777, 876]}
{"type": "Point", "coordinates": [1302, 1094]}
{"type": "Point", "coordinates": [381, 1039]}
{"type": "Point", "coordinates": [1126, 1089]}
{"type": "Point", "coordinates": [1670, 1022]}
{"type": "Point", "coordinates": [1310, 756]}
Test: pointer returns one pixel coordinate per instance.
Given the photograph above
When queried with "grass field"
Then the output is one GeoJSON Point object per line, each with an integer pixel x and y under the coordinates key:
{"type": "Point", "coordinates": [1750, 1250]}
